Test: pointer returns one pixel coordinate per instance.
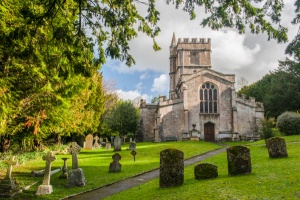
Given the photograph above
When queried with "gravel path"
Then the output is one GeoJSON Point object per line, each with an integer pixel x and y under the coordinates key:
{"type": "Point", "coordinates": [108, 190]}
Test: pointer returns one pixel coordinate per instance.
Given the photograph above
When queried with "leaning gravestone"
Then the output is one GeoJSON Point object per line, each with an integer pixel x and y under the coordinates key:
{"type": "Point", "coordinates": [76, 175]}
{"type": "Point", "coordinates": [171, 172]}
{"type": "Point", "coordinates": [88, 142]}
{"type": "Point", "coordinates": [115, 166]}
{"type": "Point", "coordinates": [46, 188]}
{"type": "Point", "coordinates": [117, 143]}
{"type": "Point", "coordinates": [277, 147]}
{"type": "Point", "coordinates": [239, 160]}
{"type": "Point", "coordinates": [8, 186]}
{"type": "Point", "coordinates": [205, 171]}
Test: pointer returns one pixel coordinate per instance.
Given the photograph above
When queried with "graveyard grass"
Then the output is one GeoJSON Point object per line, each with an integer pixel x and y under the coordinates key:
{"type": "Point", "coordinates": [95, 164]}
{"type": "Point", "coordinates": [270, 178]}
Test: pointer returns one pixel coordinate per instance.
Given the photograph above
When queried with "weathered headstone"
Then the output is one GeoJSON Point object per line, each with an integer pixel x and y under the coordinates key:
{"type": "Point", "coordinates": [171, 172]}
{"type": "Point", "coordinates": [277, 147]}
{"type": "Point", "coordinates": [205, 171]}
{"type": "Point", "coordinates": [132, 146]}
{"type": "Point", "coordinates": [8, 186]}
{"type": "Point", "coordinates": [108, 146]}
{"type": "Point", "coordinates": [239, 160]}
{"type": "Point", "coordinates": [64, 169]}
{"type": "Point", "coordinates": [46, 188]}
{"type": "Point", "coordinates": [88, 142]}
{"type": "Point", "coordinates": [115, 166]}
{"type": "Point", "coordinates": [117, 143]}
{"type": "Point", "coordinates": [96, 144]}
{"type": "Point", "coordinates": [76, 176]}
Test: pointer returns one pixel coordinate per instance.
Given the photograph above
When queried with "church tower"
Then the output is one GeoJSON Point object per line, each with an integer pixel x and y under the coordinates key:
{"type": "Point", "coordinates": [186, 58]}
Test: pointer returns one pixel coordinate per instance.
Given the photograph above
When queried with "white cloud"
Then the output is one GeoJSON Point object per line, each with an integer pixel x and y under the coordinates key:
{"type": "Point", "coordinates": [144, 75]}
{"type": "Point", "coordinates": [161, 84]}
{"type": "Point", "coordinates": [139, 86]}
{"type": "Point", "coordinates": [131, 95]}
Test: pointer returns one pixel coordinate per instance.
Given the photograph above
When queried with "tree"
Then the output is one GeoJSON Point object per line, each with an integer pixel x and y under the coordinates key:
{"type": "Point", "coordinates": [123, 118]}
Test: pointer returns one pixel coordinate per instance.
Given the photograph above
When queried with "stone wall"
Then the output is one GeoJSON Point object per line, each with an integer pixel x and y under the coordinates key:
{"type": "Point", "coordinates": [148, 117]}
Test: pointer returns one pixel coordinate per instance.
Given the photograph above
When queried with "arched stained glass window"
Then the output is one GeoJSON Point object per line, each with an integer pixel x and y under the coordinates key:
{"type": "Point", "coordinates": [208, 98]}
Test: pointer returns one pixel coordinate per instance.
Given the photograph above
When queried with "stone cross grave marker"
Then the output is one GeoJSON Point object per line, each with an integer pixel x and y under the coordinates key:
{"type": "Point", "coordinates": [115, 166]}
{"type": "Point", "coordinates": [8, 186]}
{"type": "Point", "coordinates": [171, 171]}
{"type": "Point", "coordinates": [239, 160]}
{"type": "Point", "coordinates": [46, 188]}
{"type": "Point", "coordinates": [133, 153]}
{"type": "Point", "coordinates": [10, 164]}
{"type": "Point", "coordinates": [74, 150]}
{"type": "Point", "coordinates": [96, 144]}
{"type": "Point", "coordinates": [89, 142]}
{"type": "Point", "coordinates": [76, 175]}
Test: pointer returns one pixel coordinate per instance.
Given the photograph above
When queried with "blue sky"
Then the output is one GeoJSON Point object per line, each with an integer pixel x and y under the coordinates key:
{"type": "Point", "coordinates": [249, 56]}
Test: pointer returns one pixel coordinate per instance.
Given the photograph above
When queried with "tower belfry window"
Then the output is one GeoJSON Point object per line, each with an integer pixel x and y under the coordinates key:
{"type": "Point", "coordinates": [194, 57]}
{"type": "Point", "coordinates": [208, 98]}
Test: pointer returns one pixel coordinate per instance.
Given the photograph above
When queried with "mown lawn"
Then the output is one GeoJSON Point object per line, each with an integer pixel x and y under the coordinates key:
{"type": "Point", "coordinates": [270, 179]}
{"type": "Point", "coordinates": [95, 164]}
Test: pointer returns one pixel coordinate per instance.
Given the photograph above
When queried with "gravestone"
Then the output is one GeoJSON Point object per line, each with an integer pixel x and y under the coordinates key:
{"type": "Point", "coordinates": [88, 142]}
{"type": "Point", "coordinates": [64, 169]}
{"type": "Point", "coordinates": [8, 186]}
{"type": "Point", "coordinates": [108, 146]}
{"type": "Point", "coordinates": [205, 171]}
{"type": "Point", "coordinates": [117, 143]}
{"type": "Point", "coordinates": [171, 172]}
{"type": "Point", "coordinates": [239, 160]}
{"type": "Point", "coordinates": [96, 144]}
{"type": "Point", "coordinates": [277, 147]}
{"type": "Point", "coordinates": [115, 166]}
{"type": "Point", "coordinates": [76, 175]}
{"type": "Point", "coordinates": [132, 146]}
{"type": "Point", "coordinates": [46, 188]}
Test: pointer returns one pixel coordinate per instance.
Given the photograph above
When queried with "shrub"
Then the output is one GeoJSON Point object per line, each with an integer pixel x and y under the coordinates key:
{"type": "Point", "coordinates": [288, 123]}
{"type": "Point", "coordinates": [266, 128]}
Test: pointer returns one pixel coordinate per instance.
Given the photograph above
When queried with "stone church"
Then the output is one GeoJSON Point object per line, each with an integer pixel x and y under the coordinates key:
{"type": "Point", "coordinates": [202, 103]}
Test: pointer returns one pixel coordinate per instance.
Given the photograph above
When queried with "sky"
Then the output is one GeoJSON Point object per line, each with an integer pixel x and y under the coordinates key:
{"type": "Point", "coordinates": [249, 55]}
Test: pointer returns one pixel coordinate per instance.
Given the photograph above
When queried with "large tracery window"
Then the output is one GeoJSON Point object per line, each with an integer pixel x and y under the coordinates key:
{"type": "Point", "coordinates": [208, 98]}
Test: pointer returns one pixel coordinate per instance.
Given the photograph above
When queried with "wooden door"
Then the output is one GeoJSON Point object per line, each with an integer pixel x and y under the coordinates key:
{"type": "Point", "coordinates": [209, 132]}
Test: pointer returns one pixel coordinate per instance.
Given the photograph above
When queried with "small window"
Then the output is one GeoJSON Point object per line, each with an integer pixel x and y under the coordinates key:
{"type": "Point", "coordinates": [194, 57]}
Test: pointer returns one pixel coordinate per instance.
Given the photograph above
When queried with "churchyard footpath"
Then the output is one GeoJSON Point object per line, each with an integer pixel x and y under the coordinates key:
{"type": "Point", "coordinates": [119, 186]}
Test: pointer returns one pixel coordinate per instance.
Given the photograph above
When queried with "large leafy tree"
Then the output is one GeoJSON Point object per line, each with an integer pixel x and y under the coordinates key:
{"type": "Point", "coordinates": [123, 118]}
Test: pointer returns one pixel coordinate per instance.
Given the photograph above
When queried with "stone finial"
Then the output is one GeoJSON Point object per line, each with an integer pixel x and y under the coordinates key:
{"type": "Point", "coordinates": [173, 43]}
{"type": "Point", "coordinates": [10, 163]}
{"type": "Point", "coordinates": [74, 150]}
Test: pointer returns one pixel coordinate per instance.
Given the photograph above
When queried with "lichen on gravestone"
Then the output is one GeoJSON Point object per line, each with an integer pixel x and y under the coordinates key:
{"type": "Point", "coordinates": [205, 171]}
{"type": "Point", "coordinates": [171, 171]}
{"type": "Point", "coordinates": [277, 147]}
{"type": "Point", "coordinates": [239, 160]}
